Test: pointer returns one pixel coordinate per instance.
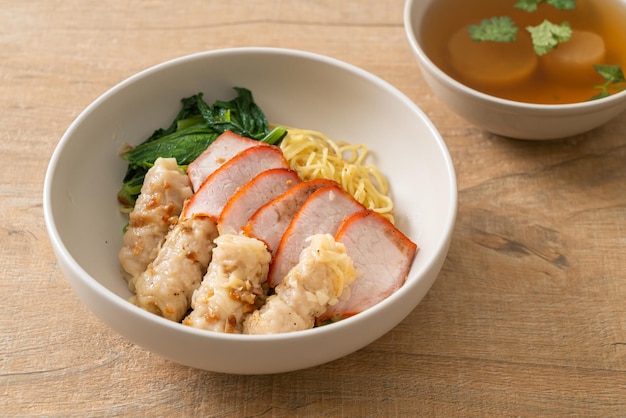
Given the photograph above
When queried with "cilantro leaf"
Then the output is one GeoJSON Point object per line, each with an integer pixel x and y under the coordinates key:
{"type": "Point", "coordinates": [496, 29]}
{"type": "Point", "coordinates": [547, 35]}
{"type": "Point", "coordinates": [563, 4]}
{"type": "Point", "coordinates": [611, 73]}
{"type": "Point", "coordinates": [528, 5]}
{"type": "Point", "coordinates": [531, 5]}
{"type": "Point", "coordinates": [613, 80]}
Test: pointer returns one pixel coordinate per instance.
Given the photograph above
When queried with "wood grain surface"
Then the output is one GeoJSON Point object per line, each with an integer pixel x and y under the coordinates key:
{"type": "Point", "coordinates": [527, 317]}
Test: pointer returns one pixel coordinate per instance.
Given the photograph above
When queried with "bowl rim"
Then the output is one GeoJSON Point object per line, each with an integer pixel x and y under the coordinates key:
{"type": "Point", "coordinates": [112, 298]}
{"type": "Point", "coordinates": [410, 31]}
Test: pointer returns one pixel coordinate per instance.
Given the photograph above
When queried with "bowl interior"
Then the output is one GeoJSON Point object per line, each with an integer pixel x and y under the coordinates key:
{"type": "Point", "coordinates": [293, 88]}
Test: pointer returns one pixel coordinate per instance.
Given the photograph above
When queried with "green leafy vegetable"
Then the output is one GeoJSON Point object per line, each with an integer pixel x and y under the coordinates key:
{"type": "Point", "coordinates": [547, 35]}
{"type": "Point", "coordinates": [241, 115]}
{"type": "Point", "coordinates": [495, 29]}
{"type": "Point", "coordinates": [183, 144]}
{"type": "Point", "coordinates": [614, 80]}
{"type": "Point", "coordinates": [193, 129]}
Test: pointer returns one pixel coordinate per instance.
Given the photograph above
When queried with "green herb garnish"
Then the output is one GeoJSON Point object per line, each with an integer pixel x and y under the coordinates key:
{"type": "Point", "coordinates": [547, 35]}
{"type": "Point", "coordinates": [614, 80]}
{"type": "Point", "coordinates": [496, 29]}
{"type": "Point", "coordinates": [531, 5]}
{"type": "Point", "coordinates": [193, 129]}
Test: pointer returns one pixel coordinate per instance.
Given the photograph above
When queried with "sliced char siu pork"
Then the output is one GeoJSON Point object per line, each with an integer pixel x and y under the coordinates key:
{"type": "Point", "coordinates": [252, 195]}
{"type": "Point", "coordinates": [321, 213]}
{"type": "Point", "coordinates": [382, 257]}
{"type": "Point", "coordinates": [225, 147]}
{"type": "Point", "coordinates": [218, 188]}
{"type": "Point", "coordinates": [269, 222]}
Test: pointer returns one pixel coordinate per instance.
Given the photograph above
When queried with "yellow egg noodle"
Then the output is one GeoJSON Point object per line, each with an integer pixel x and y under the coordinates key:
{"type": "Point", "coordinates": [313, 155]}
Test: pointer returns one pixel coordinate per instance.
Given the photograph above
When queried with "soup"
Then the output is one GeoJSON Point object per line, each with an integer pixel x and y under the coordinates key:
{"type": "Point", "coordinates": [518, 73]}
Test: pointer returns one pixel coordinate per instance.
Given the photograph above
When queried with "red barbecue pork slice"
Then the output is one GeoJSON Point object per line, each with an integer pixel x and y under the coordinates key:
{"type": "Point", "coordinates": [218, 188]}
{"type": "Point", "coordinates": [321, 213]}
{"type": "Point", "coordinates": [270, 221]}
{"type": "Point", "coordinates": [225, 147]}
{"type": "Point", "coordinates": [382, 257]}
{"type": "Point", "coordinates": [254, 194]}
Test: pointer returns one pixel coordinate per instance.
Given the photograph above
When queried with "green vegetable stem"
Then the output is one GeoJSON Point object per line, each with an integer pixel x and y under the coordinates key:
{"type": "Point", "coordinates": [193, 129]}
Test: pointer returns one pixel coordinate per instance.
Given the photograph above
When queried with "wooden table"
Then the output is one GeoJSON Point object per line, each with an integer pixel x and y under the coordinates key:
{"type": "Point", "coordinates": [528, 316]}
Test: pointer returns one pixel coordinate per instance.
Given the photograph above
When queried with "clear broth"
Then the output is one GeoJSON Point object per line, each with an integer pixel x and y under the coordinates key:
{"type": "Point", "coordinates": [607, 18]}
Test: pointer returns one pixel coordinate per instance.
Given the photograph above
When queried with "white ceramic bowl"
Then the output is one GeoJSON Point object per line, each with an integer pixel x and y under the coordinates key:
{"type": "Point", "coordinates": [292, 87]}
{"type": "Point", "coordinates": [505, 117]}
